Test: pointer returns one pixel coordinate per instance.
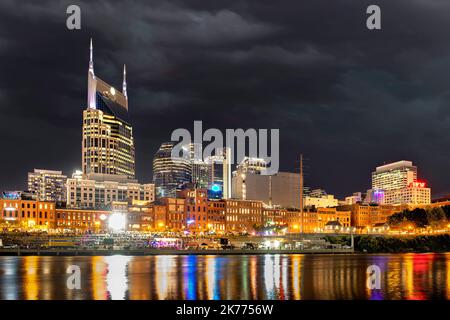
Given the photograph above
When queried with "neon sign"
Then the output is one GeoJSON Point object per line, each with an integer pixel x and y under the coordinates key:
{"type": "Point", "coordinates": [418, 184]}
{"type": "Point", "coordinates": [379, 193]}
{"type": "Point", "coordinates": [215, 188]}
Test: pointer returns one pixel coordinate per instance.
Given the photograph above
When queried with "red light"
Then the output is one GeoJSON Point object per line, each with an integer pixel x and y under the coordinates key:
{"type": "Point", "coordinates": [418, 184]}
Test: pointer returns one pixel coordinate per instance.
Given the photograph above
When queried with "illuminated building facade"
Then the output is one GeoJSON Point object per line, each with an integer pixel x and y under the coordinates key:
{"type": "Point", "coordinates": [273, 216]}
{"type": "Point", "coordinates": [140, 216]}
{"type": "Point", "coordinates": [281, 189]}
{"type": "Point", "coordinates": [364, 216]}
{"type": "Point", "coordinates": [159, 212]}
{"type": "Point", "coordinates": [81, 220]}
{"type": "Point", "coordinates": [107, 139]}
{"type": "Point", "coordinates": [393, 176]}
{"type": "Point", "coordinates": [216, 216]}
{"type": "Point", "coordinates": [397, 184]}
{"type": "Point", "coordinates": [227, 159]}
{"type": "Point", "coordinates": [215, 170]}
{"type": "Point", "coordinates": [200, 174]}
{"type": "Point", "coordinates": [415, 194]}
{"type": "Point", "coordinates": [193, 211]}
{"type": "Point", "coordinates": [309, 223]}
{"type": "Point", "coordinates": [255, 165]}
{"type": "Point", "coordinates": [199, 168]}
{"type": "Point", "coordinates": [243, 215]}
{"type": "Point", "coordinates": [374, 196]}
{"type": "Point", "coordinates": [313, 221]}
{"type": "Point", "coordinates": [197, 210]}
{"type": "Point", "coordinates": [319, 200]}
{"type": "Point", "coordinates": [26, 214]}
{"type": "Point", "coordinates": [292, 219]}
{"type": "Point", "coordinates": [220, 173]}
{"type": "Point", "coordinates": [47, 185]}
{"type": "Point", "coordinates": [326, 215]}
{"type": "Point", "coordinates": [175, 213]}
{"type": "Point", "coordinates": [355, 198]}
{"type": "Point", "coordinates": [247, 181]}
{"type": "Point", "coordinates": [170, 174]}
{"type": "Point", "coordinates": [84, 193]}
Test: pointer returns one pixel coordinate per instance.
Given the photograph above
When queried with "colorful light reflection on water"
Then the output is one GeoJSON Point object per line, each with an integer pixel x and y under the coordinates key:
{"type": "Point", "coordinates": [404, 276]}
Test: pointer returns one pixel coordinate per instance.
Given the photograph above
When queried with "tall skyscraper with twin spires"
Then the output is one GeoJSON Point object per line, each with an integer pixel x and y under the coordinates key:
{"type": "Point", "coordinates": [107, 146]}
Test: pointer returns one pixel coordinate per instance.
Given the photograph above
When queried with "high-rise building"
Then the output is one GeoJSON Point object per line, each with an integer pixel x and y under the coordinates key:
{"type": "Point", "coordinates": [47, 185]}
{"type": "Point", "coordinates": [107, 144]}
{"type": "Point", "coordinates": [396, 183]}
{"type": "Point", "coordinates": [199, 168]}
{"type": "Point", "coordinates": [219, 174]}
{"type": "Point", "coordinates": [170, 174]}
{"type": "Point", "coordinates": [200, 174]}
{"type": "Point", "coordinates": [216, 169]}
{"type": "Point", "coordinates": [227, 159]}
{"type": "Point", "coordinates": [395, 175]}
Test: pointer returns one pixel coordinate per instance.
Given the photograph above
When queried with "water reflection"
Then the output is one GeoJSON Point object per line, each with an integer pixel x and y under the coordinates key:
{"type": "Point", "coordinates": [117, 276]}
{"type": "Point", "coordinates": [404, 276]}
{"type": "Point", "coordinates": [31, 278]}
{"type": "Point", "coordinates": [98, 274]}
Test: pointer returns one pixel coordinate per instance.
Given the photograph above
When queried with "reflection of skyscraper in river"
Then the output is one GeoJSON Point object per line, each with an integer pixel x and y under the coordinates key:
{"type": "Point", "coordinates": [403, 276]}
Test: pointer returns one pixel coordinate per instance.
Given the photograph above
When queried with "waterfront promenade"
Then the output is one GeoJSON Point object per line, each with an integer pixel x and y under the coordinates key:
{"type": "Point", "coordinates": [152, 252]}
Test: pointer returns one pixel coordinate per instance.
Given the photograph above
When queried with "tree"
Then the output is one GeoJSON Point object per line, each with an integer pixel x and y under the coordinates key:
{"type": "Point", "coordinates": [417, 216]}
{"type": "Point", "coordinates": [436, 217]}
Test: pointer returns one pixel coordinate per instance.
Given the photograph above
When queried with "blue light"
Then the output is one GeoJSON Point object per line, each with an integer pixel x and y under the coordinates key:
{"type": "Point", "coordinates": [215, 188]}
{"type": "Point", "coordinates": [190, 222]}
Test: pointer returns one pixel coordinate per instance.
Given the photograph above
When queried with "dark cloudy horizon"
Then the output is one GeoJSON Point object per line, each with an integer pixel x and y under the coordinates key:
{"type": "Point", "coordinates": [348, 98]}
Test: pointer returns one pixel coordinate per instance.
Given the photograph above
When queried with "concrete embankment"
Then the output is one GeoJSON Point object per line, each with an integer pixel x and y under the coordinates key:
{"type": "Point", "coordinates": [150, 252]}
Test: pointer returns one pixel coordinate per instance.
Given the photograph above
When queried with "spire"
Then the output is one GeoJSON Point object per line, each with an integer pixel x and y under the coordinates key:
{"type": "Point", "coordinates": [124, 85]}
{"type": "Point", "coordinates": [92, 82]}
{"type": "Point", "coordinates": [91, 58]}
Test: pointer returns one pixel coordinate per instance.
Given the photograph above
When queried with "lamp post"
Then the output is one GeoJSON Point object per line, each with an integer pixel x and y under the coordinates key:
{"type": "Point", "coordinates": [352, 241]}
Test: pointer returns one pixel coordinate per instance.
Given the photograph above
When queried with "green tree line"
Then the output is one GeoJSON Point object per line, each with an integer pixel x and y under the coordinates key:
{"type": "Point", "coordinates": [421, 218]}
{"type": "Point", "coordinates": [392, 244]}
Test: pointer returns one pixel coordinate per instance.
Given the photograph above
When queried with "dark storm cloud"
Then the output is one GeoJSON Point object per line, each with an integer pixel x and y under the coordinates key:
{"type": "Point", "coordinates": [346, 97]}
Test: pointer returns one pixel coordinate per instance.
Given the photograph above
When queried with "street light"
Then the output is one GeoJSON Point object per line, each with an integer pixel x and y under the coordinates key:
{"type": "Point", "coordinates": [117, 222]}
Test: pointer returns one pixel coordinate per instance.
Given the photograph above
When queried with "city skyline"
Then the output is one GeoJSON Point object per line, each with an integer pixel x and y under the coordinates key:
{"type": "Point", "coordinates": [166, 94]}
{"type": "Point", "coordinates": [224, 156]}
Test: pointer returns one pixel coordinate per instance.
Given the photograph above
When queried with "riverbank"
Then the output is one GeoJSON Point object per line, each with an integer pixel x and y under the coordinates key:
{"type": "Point", "coordinates": [395, 244]}
{"type": "Point", "coordinates": [153, 252]}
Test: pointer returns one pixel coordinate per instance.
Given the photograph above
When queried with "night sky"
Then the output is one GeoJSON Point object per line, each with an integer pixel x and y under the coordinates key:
{"type": "Point", "coordinates": [346, 97]}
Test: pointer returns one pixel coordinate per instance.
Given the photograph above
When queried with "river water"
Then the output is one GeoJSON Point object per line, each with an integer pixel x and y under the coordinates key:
{"type": "Point", "coordinates": [317, 277]}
